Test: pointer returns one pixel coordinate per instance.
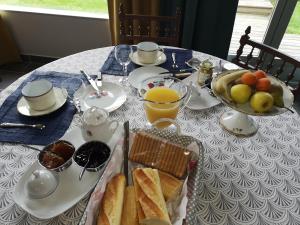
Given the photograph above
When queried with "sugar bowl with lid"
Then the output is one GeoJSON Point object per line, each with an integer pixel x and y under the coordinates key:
{"type": "Point", "coordinates": [96, 126]}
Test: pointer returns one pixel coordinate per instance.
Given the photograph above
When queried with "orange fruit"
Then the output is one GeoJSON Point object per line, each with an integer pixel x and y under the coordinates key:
{"type": "Point", "coordinates": [248, 78]}
{"type": "Point", "coordinates": [263, 84]}
{"type": "Point", "coordinates": [260, 74]}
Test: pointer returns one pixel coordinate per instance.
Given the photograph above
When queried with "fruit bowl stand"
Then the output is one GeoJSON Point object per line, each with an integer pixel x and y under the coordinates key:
{"type": "Point", "coordinates": [237, 121]}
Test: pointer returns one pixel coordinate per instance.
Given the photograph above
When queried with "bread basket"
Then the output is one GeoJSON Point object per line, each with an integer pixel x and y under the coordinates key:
{"type": "Point", "coordinates": [194, 174]}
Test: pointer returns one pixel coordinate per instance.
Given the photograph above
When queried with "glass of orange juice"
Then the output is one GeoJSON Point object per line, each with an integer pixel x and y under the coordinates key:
{"type": "Point", "coordinates": [163, 98]}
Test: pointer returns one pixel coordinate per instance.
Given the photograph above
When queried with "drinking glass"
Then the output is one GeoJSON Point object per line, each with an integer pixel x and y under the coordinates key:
{"type": "Point", "coordinates": [163, 97]}
{"type": "Point", "coordinates": [122, 55]}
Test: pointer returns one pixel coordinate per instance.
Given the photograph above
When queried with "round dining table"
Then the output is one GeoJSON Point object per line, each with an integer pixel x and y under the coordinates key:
{"type": "Point", "coordinates": [244, 180]}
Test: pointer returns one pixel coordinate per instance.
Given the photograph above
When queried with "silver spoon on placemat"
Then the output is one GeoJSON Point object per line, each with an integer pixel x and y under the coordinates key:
{"type": "Point", "coordinates": [174, 65]}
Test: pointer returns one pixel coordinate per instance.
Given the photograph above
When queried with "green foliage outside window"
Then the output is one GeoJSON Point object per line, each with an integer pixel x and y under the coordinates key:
{"type": "Point", "coordinates": [76, 5]}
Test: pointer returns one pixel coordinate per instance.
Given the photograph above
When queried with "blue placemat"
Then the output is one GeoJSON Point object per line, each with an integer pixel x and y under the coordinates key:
{"type": "Point", "coordinates": [56, 123]}
{"type": "Point", "coordinates": [112, 67]}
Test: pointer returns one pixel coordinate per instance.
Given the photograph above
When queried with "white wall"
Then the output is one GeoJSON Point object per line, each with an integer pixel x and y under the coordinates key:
{"type": "Point", "coordinates": [55, 35]}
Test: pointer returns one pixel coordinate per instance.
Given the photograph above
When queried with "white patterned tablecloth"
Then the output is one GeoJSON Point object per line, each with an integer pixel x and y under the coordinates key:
{"type": "Point", "coordinates": [253, 180]}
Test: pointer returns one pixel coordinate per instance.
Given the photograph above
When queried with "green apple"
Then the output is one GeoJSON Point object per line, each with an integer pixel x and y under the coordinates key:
{"type": "Point", "coordinates": [240, 93]}
{"type": "Point", "coordinates": [261, 101]}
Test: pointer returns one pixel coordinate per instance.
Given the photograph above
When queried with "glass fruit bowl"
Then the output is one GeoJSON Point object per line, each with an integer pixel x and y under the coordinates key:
{"type": "Point", "coordinates": [237, 120]}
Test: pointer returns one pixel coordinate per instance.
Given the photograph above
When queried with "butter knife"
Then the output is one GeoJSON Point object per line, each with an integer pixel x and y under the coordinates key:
{"type": "Point", "coordinates": [15, 125]}
{"type": "Point", "coordinates": [180, 71]}
{"type": "Point", "coordinates": [180, 75]}
{"type": "Point", "coordinates": [126, 150]}
{"type": "Point", "coordinates": [92, 82]}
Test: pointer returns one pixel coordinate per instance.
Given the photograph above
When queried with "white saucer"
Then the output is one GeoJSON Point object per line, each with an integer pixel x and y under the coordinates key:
{"type": "Point", "coordinates": [200, 97]}
{"type": "Point", "coordinates": [230, 66]}
{"type": "Point", "coordinates": [25, 110]}
{"type": "Point", "coordinates": [69, 190]}
{"type": "Point", "coordinates": [138, 75]}
{"type": "Point", "coordinates": [115, 96]}
{"type": "Point", "coordinates": [134, 58]}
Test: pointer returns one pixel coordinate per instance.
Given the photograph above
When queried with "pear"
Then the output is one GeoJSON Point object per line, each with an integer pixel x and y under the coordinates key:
{"type": "Point", "coordinates": [276, 88]}
{"type": "Point", "coordinates": [277, 92]}
{"type": "Point", "coordinates": [278, 100]}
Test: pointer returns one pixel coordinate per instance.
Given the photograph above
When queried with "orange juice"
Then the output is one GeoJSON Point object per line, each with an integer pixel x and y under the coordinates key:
{"type": "Point", "coordinates": [161, 105]}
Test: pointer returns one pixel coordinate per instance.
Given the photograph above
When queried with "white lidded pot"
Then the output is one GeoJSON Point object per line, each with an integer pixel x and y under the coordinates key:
{"type": "Point", "coordinates": [96, 126]}
{"type": "Point", "coordinates": [41, 184]}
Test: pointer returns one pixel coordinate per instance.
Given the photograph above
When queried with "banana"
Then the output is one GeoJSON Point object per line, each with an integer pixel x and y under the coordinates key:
{"type": "Point", "coordinates": [222, 85]}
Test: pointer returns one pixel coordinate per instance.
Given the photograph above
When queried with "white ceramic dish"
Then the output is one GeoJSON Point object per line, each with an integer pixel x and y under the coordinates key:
{"type": "Point", "coordinates": [115, 97]}
{"type": "Point", "coordinates": [200, 97]}
{"type": "Point", "coordinates": [134, 58]}
{"type": "Point", "coordinates": [230, 66]}
{"type": "Point", "coordinates": [69, 191]}
{"type": "Point", "coordinates": [25, 110]}
{"type": "Point", "coordinates": [136, 77]}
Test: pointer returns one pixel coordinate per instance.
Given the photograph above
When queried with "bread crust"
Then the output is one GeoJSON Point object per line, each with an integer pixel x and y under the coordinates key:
{"type": "Point", "coordinates": [129, 213]}
{"type": "Point", "coordinates": [112, 203]}
{"type": "Point", "coordinates": [170, 185]}
{"type": "Point", "coordinates": [149, 196]}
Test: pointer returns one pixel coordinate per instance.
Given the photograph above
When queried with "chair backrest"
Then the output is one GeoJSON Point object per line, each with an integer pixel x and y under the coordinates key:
{"type": "Point", "coordinates": [164, 30]}
{"type": "Point", "coordinates": [266, 61]}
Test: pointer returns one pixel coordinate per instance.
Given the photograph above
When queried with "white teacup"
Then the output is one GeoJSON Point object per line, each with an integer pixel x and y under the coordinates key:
{"type": "Point", "coordinates": [148, 52]}
{"type": "Point", "coordinates": [96, 126]}
{"type": "Point", "coordinates": [39, 94]}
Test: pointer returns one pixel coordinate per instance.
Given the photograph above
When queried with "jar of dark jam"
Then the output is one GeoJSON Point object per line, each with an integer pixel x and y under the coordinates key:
{"type": "Point", "coordinates": [100, 153]}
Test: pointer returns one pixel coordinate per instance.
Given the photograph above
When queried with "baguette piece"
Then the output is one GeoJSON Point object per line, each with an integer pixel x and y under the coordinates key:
{"type": "Point", "coordinates": [170, 185]}
{"type": "Point", "coordinates": [129, 214]}
{"type": "Point", "coordinates": [152, 209]}
{"type": "Point", "coordinates": [159, 153]}
{"type": "Point", "coordinates": [112, 202]}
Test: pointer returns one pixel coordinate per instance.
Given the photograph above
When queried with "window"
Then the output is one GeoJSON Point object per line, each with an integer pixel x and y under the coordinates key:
{"type": "Point", "coordinates": [93, 6]}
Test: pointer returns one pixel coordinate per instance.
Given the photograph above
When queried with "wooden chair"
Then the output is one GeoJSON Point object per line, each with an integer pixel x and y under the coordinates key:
{"type": "Point", "coordinates": [267, 57]}
{"type": "Point", "coordinates": [164, 30]}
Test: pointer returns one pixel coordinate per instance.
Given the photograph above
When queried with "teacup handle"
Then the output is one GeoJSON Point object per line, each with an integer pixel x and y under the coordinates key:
{"type": "Point", "coordinates": [161, 51]}
{"type": "Point", "coordinates": [111, 126]}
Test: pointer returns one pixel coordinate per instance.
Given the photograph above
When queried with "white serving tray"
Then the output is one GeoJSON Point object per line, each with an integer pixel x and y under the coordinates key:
{"type": "Point", "coordinates": [69, 191]}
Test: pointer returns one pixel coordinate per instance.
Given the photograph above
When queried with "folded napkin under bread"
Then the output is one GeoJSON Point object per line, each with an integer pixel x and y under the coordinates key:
{"type": "Point", "coordinates": [112, 67]}
{"type": "Point", "coordinates": [56, 123]}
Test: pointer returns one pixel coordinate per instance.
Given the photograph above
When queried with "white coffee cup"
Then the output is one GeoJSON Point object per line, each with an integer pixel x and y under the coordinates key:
{"type": "Point", "coordinates": [148, 52]}
{"type": "Point", "coordinates": [39, 94]}
{"type": "Point", "coordinates": [96, 126]}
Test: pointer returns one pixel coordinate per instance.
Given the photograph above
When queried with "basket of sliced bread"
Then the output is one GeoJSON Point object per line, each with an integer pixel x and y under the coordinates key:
{"type": "Point", "coordinates": [163, 166]}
